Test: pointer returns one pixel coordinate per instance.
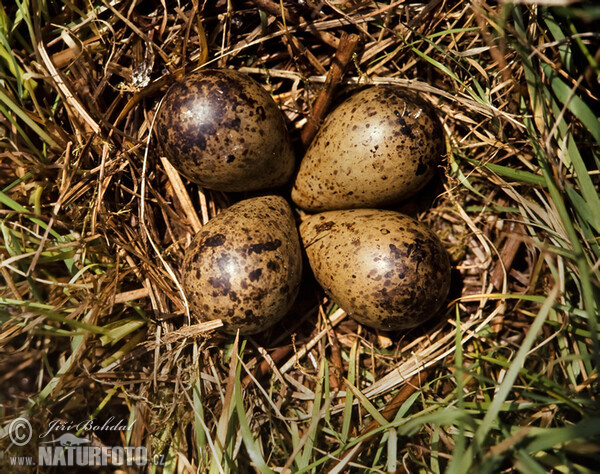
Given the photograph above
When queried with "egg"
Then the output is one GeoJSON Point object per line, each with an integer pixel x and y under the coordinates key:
{"type": "Point", "coordinates": [385, 269]}
{"type": "Point", "coordinates": [380, 146]}
{"type": "Point", "coordinates": [244, 267]}
{"type": "Point", "coordinates": [223, 131]}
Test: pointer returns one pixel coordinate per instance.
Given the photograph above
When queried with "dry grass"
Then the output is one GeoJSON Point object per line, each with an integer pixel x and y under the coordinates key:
{"type": "Point", "coordinates": [94, 224]}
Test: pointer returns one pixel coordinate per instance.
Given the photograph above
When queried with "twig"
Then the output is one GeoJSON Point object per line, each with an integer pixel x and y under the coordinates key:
{"type": "Point", "coordinates": [127, 296]}
{"type": "Point", "coordinates": [265, 366]}
{"type": "Point", "coordinates": [69, 97]}
{"type": "Point", "coordinates": [275, 9]}
{"type": "Point", "coordinates": [389, 412]}
{"type": "Point", "coordinates": [147, 91]}
{"type": "Point", "coordinates": [297, 49]}
{"type": "Point", "coordinates": [182, 194]}
{"type": "Point", "coordinates": [507, 255]}
{"type": "Point", "coordinates": [334, 320]}
{"type": "Point", "coordinates": [502, 268]}
{"type": "Point", "coordinates": [336, 368]}
{"type": "Point", "coordinates": [348, 44]}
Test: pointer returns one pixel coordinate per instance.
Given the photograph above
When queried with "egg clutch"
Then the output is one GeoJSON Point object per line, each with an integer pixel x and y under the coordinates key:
{"type": "Point", "coordinates": [223, 131]}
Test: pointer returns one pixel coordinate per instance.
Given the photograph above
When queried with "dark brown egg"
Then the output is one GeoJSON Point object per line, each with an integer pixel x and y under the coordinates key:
{"type": "Point", "coordinates": [222, 130]}
{"type": "Point", "coordinates": [385, 269]}
{"type": "Point", "coordinates": [245, 265]}
{"type": "Point", "coordinates": [380, 146]}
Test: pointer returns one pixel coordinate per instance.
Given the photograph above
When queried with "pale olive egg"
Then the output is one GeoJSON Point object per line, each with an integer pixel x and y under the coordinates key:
{"type": "Point", "coordinates": [385, 269]}
{"type": "Point", "coordinates": [223, 131]}
{"type": "Point", "coordinates": [380, 146]}
{"type": "Point", "coordinates": [245, 266]}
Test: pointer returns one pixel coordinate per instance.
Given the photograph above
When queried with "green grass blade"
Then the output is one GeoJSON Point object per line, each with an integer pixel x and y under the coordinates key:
{"type": "Point", "coordinates": [392, 450]}
{"type": "Point", "coordinates": [459, 440]}
{"type": "Point", "coordinates": [15, 206]}
{"type": "Point", "coordinates": [117, 330]}
{"type": "Point", "coordinates": [509, 380]}
{"type": "Point", "coordinates": [247, 437]}
{"type": "Point", "coordinates": [199, 417]}
{"type": "Point", "coordinates": [46, 310]}
{"type": "Point", "coordinates": [364, 401]}
{"type": "Point", "coordinates": [30, 123]}
{"type": "Point", "coordinates": [434, 462]}
{"type": "Point", "coordinates": [586, 212]}
{"type": "Point", "coordinates": [573, 102]}
{"type": "Point", "coordinates": [521, 176]}
{"type": "Point", "coordinates": [20, 130]}
{"type": "Point", "coordinates": [451, 74]}
{"type": "Point", "coordinates": [347, 414]}
{"type": "Point", "coordinates": [131, 344]}
{"type": "Point", "coordinates": [549, 437]}
{"type": "Point", "coordinates": [527, 464]}
{"type": "Point", "coordinates": [313, 429]}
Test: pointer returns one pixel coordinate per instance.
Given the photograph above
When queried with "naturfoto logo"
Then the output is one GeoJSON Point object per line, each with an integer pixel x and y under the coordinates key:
{"type": "Point", "coordinates": [71, 447]}
{"type": "Point", "coordinates": [83, 455]}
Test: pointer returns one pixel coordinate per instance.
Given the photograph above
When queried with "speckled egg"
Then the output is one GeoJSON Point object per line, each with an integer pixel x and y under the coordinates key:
{"type": "Point", "coordinates": [244, 266]}
{"type": "Point", "coordinates": [385, 269]}
{"type": "Point", "coordinates": [222, 130]}
{"type": "Point", "coordinates": [380, 146]}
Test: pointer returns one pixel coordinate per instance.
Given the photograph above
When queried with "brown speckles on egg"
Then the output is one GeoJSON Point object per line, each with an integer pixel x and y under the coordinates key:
{"type": "Point", "coordinates": [250, 286]}
{"type": "Point", "coordinates": [264, 246]}
{"type": "Point", "coordinates": [211, 126]}
{"type": "Point", "coordinates": [399, 278]}
{"type": "Point", "coordinates": [324, 226]}
{"type": "Point", "coordinates": [380, 146]}
{"type": "Point", "coordinates": [255, 274]}
{"type": "Point", "coordinates": [215, 240]}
